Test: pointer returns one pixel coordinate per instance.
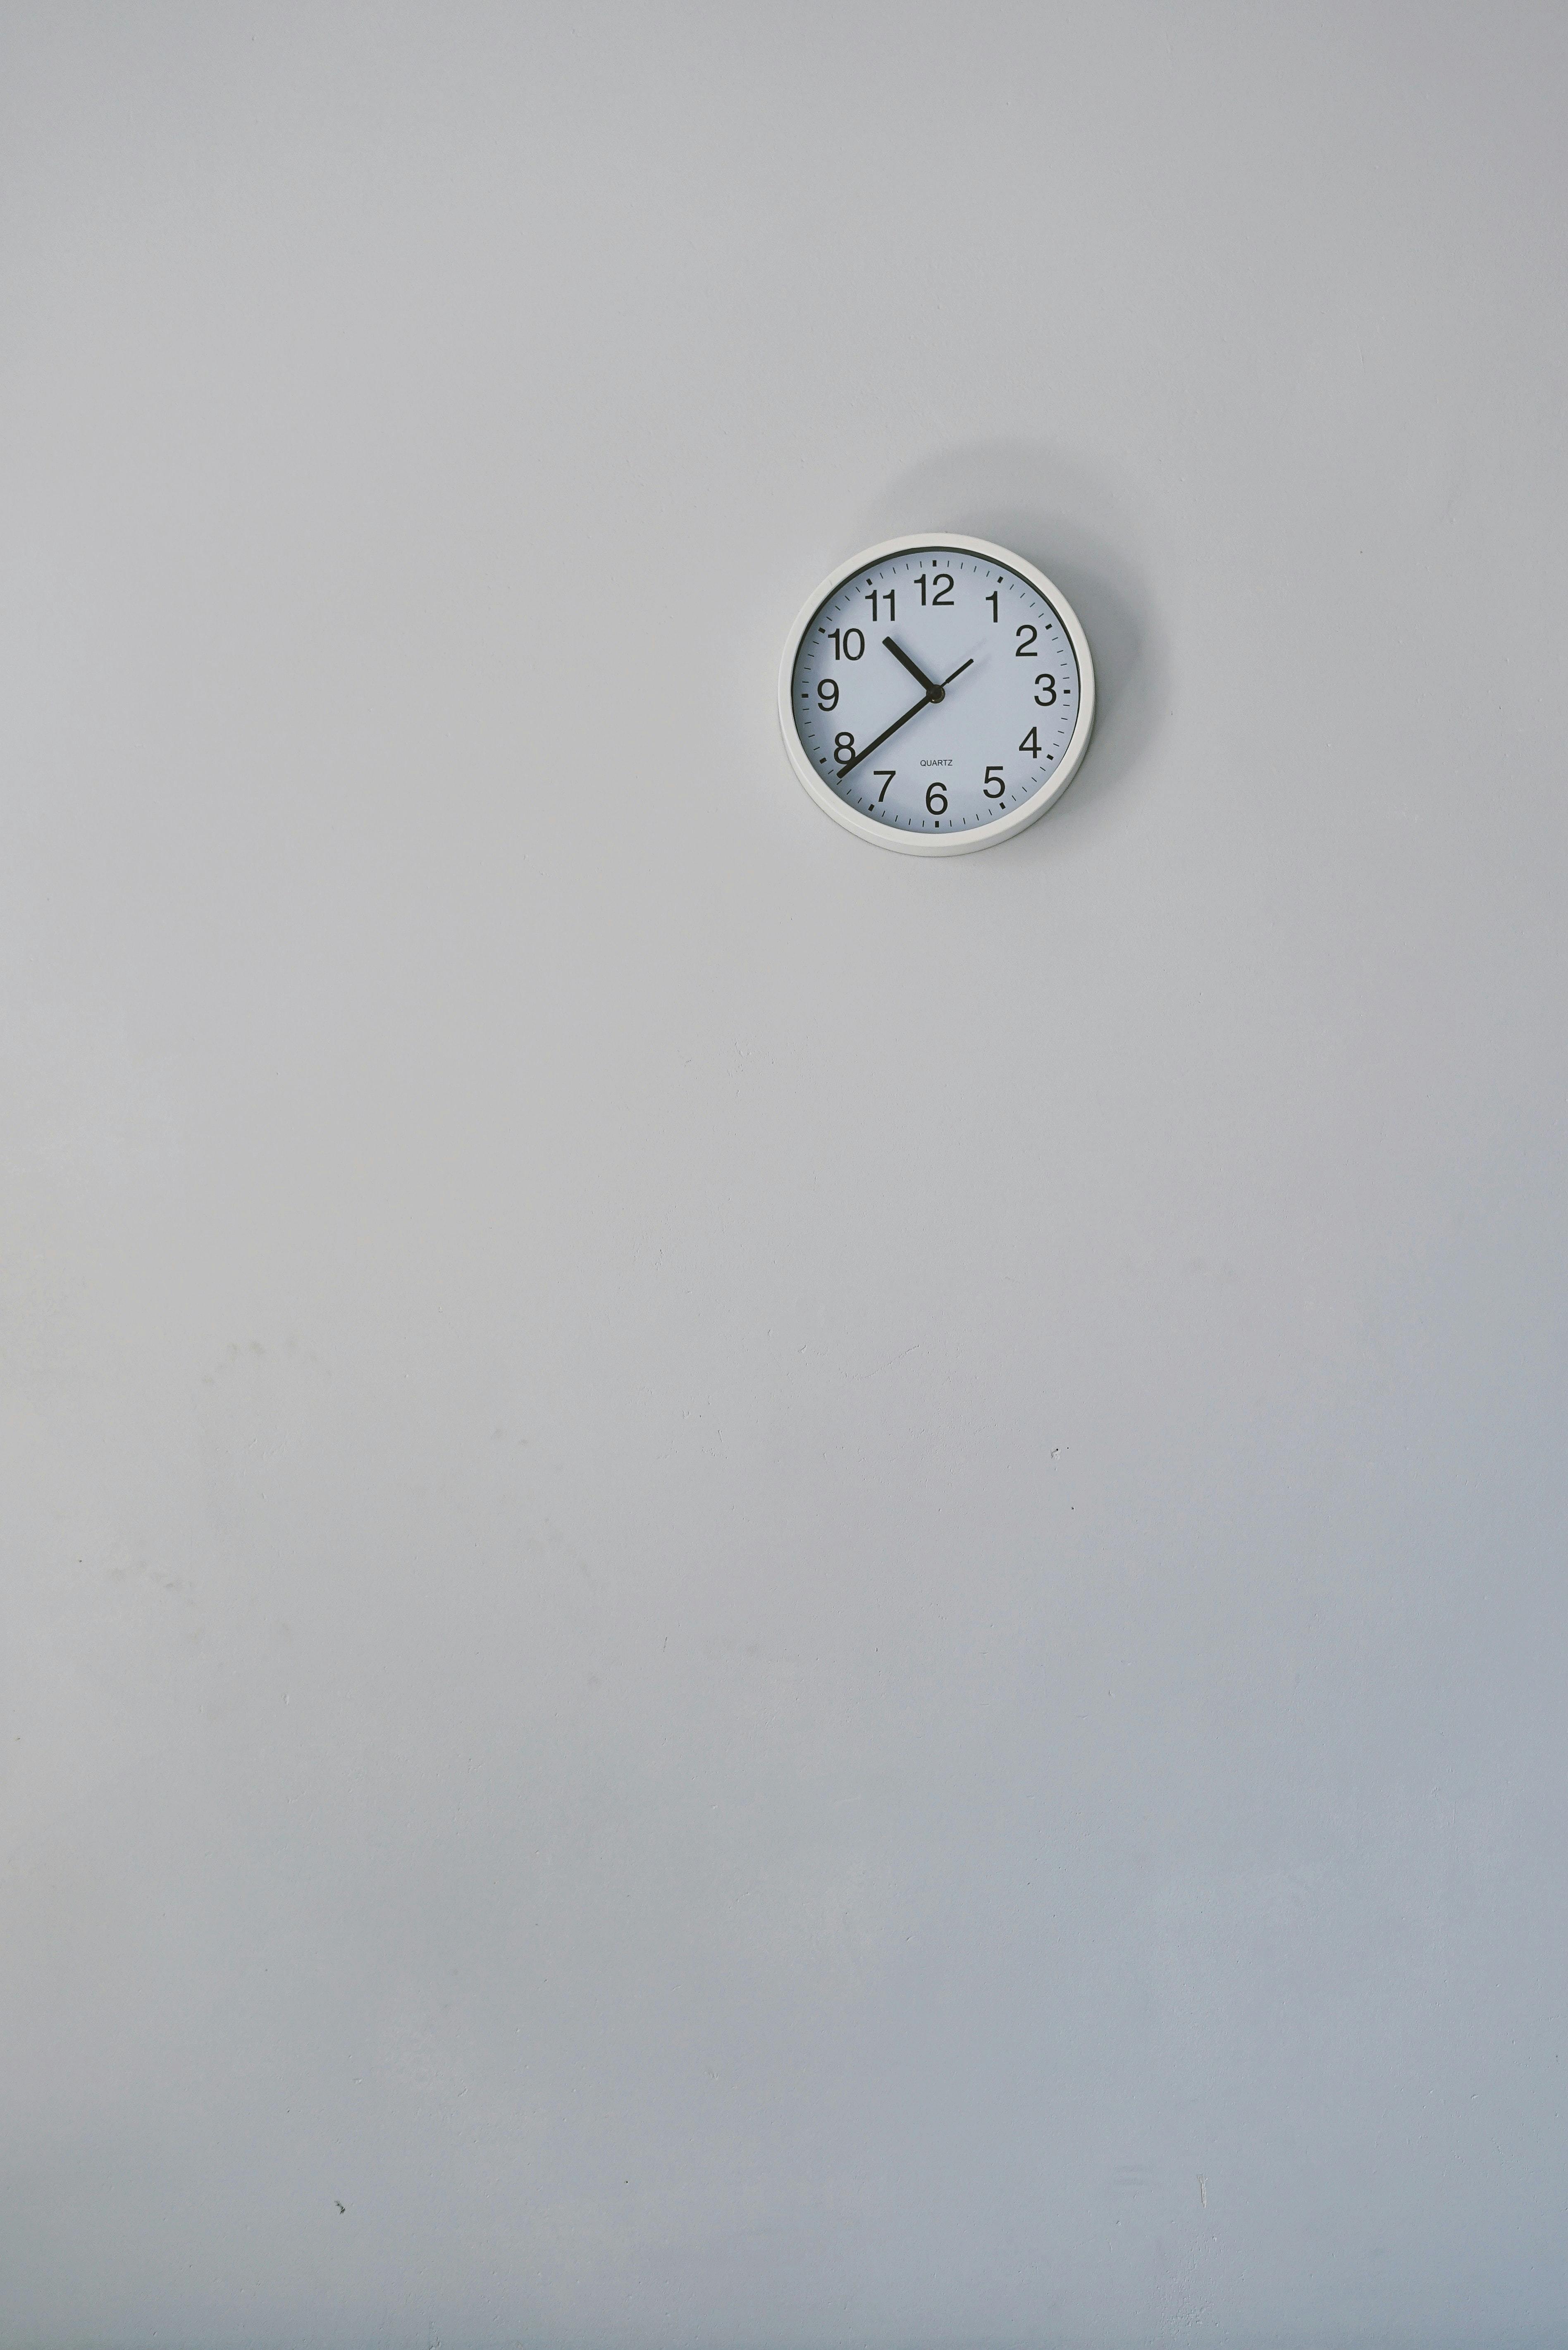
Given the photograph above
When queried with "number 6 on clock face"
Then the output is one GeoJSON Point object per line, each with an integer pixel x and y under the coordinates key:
{"type": "Point", "coordinates": [937, 694]}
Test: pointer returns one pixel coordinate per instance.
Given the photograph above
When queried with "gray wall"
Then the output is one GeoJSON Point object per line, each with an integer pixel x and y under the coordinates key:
{"type": "Point", "coordinates": [775, 1596]}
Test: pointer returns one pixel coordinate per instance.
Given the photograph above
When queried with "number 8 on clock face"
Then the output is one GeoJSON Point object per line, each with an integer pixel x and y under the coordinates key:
{"type": "Point", "coordinates": [937, 694]}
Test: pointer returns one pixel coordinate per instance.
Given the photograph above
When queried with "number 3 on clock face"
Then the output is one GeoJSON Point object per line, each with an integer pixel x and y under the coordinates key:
{"type": "Point", "coordinates": [937, 694]}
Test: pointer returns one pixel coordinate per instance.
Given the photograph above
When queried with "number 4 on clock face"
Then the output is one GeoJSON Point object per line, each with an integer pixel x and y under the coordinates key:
{"type": "Point", "coordinates": [943, 653]}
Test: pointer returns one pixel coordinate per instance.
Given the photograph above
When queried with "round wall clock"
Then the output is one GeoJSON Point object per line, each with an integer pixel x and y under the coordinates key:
{"type": "Point", "coordinates": [937, 694]}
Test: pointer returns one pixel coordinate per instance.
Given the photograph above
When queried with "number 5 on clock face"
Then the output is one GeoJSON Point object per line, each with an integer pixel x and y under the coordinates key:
{"type": "Point", "coordinates": [937, 694]}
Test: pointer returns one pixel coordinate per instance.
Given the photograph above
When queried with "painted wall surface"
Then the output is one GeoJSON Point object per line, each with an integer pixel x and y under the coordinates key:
{"type": "Point", "coordinates": [754, 1594]}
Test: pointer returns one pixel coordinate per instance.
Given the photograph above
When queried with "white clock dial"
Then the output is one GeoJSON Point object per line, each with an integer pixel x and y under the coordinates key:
{"type": "Point", "coordinates": [937, 694]}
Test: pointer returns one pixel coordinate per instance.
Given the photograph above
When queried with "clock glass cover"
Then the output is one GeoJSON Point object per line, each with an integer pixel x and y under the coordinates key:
{"type": "Point", "coordinates": [937, 694]}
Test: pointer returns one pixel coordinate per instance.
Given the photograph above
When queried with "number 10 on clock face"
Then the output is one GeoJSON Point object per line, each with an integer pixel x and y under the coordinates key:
{"type": "Point", "coordinates": [937, 694]}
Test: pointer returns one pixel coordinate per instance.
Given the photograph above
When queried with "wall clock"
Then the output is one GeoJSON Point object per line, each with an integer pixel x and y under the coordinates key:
{"type": "Point", "coordinates": [937, 694]}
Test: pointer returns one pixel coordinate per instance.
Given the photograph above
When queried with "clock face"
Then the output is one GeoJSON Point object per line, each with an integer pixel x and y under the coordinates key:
{"type": "Point", "coordinates": [936, 695]}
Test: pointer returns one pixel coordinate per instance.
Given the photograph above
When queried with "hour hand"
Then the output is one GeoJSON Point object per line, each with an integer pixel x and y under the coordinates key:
{"type": "Point", "coordinates": [933, 690]}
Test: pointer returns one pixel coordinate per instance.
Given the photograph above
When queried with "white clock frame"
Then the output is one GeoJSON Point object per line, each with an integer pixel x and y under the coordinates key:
{"type": "Point", "coordinates": [943, 844]}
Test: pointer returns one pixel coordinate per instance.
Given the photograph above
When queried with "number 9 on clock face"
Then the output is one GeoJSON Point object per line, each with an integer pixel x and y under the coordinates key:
{"type": "Point", "coordinates": [937, 694]}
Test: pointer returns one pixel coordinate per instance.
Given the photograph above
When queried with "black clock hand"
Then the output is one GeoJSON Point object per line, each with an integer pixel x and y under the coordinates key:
{"type": "Point", "coordinates": [913, 712]}
{"type": "Point", "coordinates": [933, 690]}
{"type": "Point", "coordinates": [881, 738]}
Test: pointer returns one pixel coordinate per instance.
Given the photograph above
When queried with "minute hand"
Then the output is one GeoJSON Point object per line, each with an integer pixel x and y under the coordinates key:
{"type": "Point", "coordinates": [914, 712]}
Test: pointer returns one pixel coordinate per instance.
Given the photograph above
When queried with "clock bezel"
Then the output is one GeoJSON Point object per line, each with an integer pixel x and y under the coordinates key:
{"type": "Point", "coordinates": [956, 843]}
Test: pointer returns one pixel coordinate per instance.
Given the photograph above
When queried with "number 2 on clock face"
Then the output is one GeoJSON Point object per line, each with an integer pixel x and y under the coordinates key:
{"type": "Point", "coordinates": [937, 694]}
